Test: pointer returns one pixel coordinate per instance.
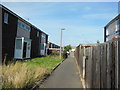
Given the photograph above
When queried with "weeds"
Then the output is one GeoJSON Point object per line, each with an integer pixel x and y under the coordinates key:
{"type": "Point", "coordinates": [25, 74]}
{"type": "Point", "coordinates": [20, 75]}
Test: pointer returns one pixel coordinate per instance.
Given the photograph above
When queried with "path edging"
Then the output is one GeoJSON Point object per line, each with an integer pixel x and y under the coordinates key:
{"type": "Point", "coordinates": [45, 77]}
{"type": "Point", "coordinates": [81, 79]}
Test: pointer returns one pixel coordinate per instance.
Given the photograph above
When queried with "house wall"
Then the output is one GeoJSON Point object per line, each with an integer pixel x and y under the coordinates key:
{"type": "Point", "coordinates": [46, 44]}
{"type": "Point", "coordinates": [0, 36]}
{"type": "Point", "coordinates": [9, 32]}
{"type": "Point", "coordinates": [35, 42]}
{"type": "Point", "coordinates": [52, 45]}
{"type": "Point", "coordinates": [22, 32]}
{"type": "Point", "coordinates": [112, 29]}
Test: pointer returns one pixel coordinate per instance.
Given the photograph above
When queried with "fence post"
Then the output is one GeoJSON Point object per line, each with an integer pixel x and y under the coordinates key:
{"type": "Point", "coordinates": [118, 65]}
{"type": "Point", "coordinates": [109, 59]}
{"type": "Point", "coordinates": [84, 57]}
{"type": "Point", "coordinates": [84, 64]}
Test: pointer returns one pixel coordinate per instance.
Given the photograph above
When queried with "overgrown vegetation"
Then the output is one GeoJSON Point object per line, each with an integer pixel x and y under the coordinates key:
{"type": "Point", "coordinates": [25, 74]}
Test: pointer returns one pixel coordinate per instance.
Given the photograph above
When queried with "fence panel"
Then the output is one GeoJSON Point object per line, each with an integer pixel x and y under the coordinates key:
{"type": "Point", "coordinates": [89, 69]}
{"type": "Point", "coordinates": [99, 65]}
{"type": "Point", "coordinates": [118, 59]}
{"type": "Point", "coordinates": [103, 66]}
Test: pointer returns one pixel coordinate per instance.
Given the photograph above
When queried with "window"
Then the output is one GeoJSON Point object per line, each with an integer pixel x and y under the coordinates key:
{"type": "Point", "coordinates": [37, 33]}
{"type": "Point", "coordinates": [27, 28]}
{"type": "Point", "coordinates": [43, 38]}
{"type": "Point", "coordinates": [42, 46]}
{"type": "Point", "coordinates": [51, 46]}
{"type": "Point", "coordinates": [6, 18]}
{"type": "Point", "coordinates": [43, 35]}
{"type": "Point", "coordinates": [23, 26]}
{"type": "Point", "coordinates": [19, 24]}
{"type": "Point", "coordinates": [18, 43]}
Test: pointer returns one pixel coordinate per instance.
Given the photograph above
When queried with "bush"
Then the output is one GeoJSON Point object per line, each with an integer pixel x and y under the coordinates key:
{"type": "Point", "coordinates": [54, 52]}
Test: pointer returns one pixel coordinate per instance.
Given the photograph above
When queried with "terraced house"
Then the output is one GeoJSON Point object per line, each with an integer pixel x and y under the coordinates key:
{"type": "Point", "coordinates": [112, 29]}
{"type": "Point", "coordinates": [21, 39]}
{"type": "Point", "coordinates": [53, 47]}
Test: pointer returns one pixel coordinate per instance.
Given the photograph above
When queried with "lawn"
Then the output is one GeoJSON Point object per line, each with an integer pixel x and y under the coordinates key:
{"type": "Point", "coordinates": [25, 74]}
{"type": "Point", "coordinates": [44, 62]}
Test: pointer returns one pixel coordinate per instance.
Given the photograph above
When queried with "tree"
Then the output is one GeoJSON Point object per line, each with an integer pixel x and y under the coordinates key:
{"type": "Point", "coordinates": [67, 48]}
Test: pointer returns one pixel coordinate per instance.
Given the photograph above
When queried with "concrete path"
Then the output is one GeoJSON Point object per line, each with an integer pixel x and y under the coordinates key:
{"type": "Point", "coordinates": [65, 76]}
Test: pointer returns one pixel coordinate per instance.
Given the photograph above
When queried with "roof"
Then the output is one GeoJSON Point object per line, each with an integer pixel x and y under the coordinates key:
{"type": "Point", "coordinates": [53, 43]}
{"type": "Point", "coordinates": [113, 20]}
{"type": "Point", "coordinates": [11, 12]}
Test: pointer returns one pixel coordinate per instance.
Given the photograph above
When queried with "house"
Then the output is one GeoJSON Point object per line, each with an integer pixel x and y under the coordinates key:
{"type": "Point", "coordinates": [39, 42]}
{"type": "Point", "coordinates": [112, 29]}
{"type": "Point", "coordinates": [53, 47]}
{"type": "Point", "coordinates": [21, 39]}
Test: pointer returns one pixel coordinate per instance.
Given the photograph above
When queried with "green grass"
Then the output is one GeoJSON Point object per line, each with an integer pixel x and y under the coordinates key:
{"type": "Point", "coordinates": [25, 74]}
{"type": "Point", "coordinates": [44, 62]}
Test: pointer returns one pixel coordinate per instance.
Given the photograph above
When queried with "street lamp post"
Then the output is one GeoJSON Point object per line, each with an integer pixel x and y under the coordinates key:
{"type": "Point", "coordinates": [61, 43]}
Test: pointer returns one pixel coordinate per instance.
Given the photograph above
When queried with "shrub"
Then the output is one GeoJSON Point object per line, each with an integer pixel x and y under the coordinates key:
{"type": "Point", "coordinates": [54, 52]}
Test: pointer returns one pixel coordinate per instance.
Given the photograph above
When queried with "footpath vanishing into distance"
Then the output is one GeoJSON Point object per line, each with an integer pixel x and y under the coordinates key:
{"type": "Point", "coordinates": [65, 76]}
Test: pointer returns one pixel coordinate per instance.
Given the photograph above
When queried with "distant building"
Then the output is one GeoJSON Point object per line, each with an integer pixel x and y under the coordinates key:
{"type": "Point", "coordinates": [21, 39]}
{"type": "Point", "coordinates": [72, 50]}
{"type": "Point", "coordinates": [53, 47]}
{"type": "Point", "coordinates": [112, 29]}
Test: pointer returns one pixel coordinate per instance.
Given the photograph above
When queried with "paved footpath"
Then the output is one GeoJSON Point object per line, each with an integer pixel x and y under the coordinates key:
{"type": "Point", "coordinates": [65, 76]}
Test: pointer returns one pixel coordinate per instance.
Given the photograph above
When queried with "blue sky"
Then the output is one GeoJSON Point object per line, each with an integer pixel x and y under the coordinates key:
{"type": "Point", "coordinates": [83, 21]}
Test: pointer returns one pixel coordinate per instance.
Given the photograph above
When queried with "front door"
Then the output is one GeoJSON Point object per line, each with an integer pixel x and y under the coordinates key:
{"type": "Point", "coordinates": [24, 49]}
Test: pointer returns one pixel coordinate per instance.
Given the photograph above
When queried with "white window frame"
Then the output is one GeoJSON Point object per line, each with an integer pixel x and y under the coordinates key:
{"type": "Point", "coordinates": [37, 33]}
{"type": "Point", "coordinates": [6, 18]}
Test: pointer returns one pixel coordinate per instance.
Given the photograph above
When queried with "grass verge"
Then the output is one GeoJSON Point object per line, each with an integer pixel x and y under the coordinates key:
{"type": "Point", "coordinates": [48, 62]}
{"type": "Point", "coordinates": [25, 74]}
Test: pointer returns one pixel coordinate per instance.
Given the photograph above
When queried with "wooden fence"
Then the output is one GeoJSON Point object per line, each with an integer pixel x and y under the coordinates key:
{"type": "Point", "coordinates": [100, 65]}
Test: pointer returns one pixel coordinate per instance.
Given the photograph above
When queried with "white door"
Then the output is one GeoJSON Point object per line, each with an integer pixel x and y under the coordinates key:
{"type": "Point", "coordinates": [28, 49]}
{"type": "Point", "coordinates": [18, 48]}
{"type": "Point", "coordinates": [43, 48]}
{"type": "Point", "coordinates": [22, 48]}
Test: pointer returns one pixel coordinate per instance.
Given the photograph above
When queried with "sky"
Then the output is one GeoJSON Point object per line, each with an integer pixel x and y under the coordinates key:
{"type": "Point", "coordinates": [83, 21]}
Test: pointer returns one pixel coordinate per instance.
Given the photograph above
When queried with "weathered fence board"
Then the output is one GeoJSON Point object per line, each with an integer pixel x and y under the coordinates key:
{"type": "Point", "coordinates": [118, 51]}
{"type": "Point", "coordinates": [100, 65]}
